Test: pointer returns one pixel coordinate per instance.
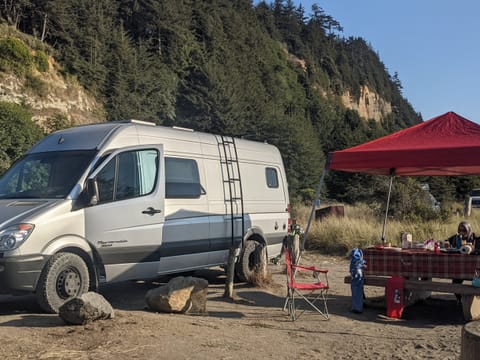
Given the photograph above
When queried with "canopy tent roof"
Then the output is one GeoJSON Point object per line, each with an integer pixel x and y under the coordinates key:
{"type": "Point", "coordinates": [445, 145]}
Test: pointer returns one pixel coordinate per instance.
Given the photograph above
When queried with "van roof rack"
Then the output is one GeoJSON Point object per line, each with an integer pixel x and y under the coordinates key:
{"type": "Point", "coordinates": [141, 122]}
{"type": "Point", "coordinates": [182, 128]}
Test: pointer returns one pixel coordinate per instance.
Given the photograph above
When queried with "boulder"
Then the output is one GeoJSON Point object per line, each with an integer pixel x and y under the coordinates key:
{"type": "Point", "coordinates": [180, 295]}
{"type": "Point", "coordinates": [86, 308]}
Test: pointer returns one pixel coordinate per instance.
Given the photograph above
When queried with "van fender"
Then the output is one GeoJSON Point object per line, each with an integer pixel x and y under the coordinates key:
{"type": "Point", "coordinates": [56, 245]}
{"type": "Point", "coordinates": [255, 233]}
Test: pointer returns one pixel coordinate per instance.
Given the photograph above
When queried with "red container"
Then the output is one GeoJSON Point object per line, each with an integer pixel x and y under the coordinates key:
{"type": "Point", "coordinates": [395, 297]}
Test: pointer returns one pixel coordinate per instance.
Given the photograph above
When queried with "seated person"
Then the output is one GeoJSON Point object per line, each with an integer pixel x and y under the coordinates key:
{"type": "Point", "coordinates": [464, 235]}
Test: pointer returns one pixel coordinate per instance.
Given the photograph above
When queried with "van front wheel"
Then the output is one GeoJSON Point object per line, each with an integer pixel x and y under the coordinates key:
{"type": "Point", "coordinates": [64, 277]}
{"type": "Point", "coordinates": [252, 265]}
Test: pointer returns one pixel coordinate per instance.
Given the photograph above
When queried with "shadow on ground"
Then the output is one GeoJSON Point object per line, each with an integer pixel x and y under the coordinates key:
{"type": "Point", "coordinates": [248, 301]}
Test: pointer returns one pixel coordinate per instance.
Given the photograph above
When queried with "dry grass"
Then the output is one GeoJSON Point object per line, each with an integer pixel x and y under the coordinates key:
{"type": "Point", "coordinates": [261, 280]}
{"type": "Point", "coordinates": [360, 227]}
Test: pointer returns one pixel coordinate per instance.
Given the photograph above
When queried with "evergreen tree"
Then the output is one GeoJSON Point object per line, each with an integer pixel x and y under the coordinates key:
{"type": "Point", "coordinates": [266, 72]}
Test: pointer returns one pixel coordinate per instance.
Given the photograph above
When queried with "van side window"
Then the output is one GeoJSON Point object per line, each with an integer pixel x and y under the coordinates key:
{"type": "Point", "coordinates": [182, 179]}
{"type": "Point", "coordinates": [128, 175]}
{"type": "Point", "coordinates": [271, 177]}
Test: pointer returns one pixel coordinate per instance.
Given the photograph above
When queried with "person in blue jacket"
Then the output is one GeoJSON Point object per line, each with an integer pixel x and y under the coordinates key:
{"type": "Point", "coordinates": [357, 263]}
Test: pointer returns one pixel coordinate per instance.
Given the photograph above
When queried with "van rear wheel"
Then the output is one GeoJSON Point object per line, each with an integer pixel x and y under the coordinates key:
{"type": "Point", "coordinates": [64, 277]}
{"type": "Point", "coordinates": [252, 265]}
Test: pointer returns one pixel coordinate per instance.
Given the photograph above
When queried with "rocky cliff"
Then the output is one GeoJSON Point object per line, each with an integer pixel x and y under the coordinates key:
{"type": "Point", "coordinates": [49, 94]}
{"type": "Point", "coordinates": [369, 105]}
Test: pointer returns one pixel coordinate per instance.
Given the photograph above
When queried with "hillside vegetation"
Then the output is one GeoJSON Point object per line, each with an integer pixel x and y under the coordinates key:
{"type": "Point", "coordinates": [271, 72]}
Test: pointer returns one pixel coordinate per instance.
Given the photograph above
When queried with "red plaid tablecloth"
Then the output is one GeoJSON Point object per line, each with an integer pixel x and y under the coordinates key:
{"type": "Point", "coordinates": [420, 263]}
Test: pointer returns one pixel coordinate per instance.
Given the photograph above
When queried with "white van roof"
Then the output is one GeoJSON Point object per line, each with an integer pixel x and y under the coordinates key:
{"type": "Point", "coordinates": [85, 137]}
{"type": "Point", "coordinates": [132, 132]}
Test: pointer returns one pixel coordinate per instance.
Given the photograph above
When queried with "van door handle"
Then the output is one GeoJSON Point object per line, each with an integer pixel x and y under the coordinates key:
{"type": "Point", "coordinates": [151, 211]}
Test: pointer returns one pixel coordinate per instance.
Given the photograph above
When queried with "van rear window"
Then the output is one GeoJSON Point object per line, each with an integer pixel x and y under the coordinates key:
{"type": "Point", "coordinates": [271, 177]}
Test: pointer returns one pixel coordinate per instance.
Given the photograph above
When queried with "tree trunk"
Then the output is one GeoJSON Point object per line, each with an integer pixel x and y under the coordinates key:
{"type": "Point", "coordinates": [44, 28]}
{"type": "Point", "coordinates": [230, 273]}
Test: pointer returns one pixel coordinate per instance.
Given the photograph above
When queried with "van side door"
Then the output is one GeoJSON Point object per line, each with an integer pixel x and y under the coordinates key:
{"type": "Point", "coordinates": [186, 242]}
{"type": "Point", "coordinates": [126, 223]}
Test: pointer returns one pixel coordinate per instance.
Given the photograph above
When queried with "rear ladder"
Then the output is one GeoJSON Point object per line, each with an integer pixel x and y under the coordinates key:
{"type": "Point", "coordinates": [232, 186]}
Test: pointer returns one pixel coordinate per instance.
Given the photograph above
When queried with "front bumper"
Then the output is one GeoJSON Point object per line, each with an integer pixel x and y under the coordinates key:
{"type": "Point", "coordinates": [20, 274]}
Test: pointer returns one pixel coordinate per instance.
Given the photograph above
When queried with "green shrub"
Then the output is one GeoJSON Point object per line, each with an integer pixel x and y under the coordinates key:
{"type": "Point", "coordinates": [5, 66]}
{"type": "Point", "coordinates": [18, 133]}
{"type": "Point", "coordinates": [41, 61]}
{"type": "Point", "coordinates": [408, 202]}
{"type": "Point", "coordinates": [58, 122]}
{"type": "Point", "coordinates": [15, 55]}
{"type": "Point", "coordinates": [35, 84]}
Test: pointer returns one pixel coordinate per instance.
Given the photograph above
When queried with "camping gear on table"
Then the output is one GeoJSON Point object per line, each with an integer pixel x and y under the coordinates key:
{"type": "Point", "coordinates": [406, 239]}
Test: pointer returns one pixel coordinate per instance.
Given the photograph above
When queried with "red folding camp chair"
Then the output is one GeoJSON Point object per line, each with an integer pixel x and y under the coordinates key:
{"type": "Point", "coordinates": [313, 293]}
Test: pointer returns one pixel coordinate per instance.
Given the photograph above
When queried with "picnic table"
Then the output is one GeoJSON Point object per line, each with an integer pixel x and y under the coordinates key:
{"type": "Point", "coordinates": [420, 263]}
{"type": "Point", "coordinates": [425, 271]}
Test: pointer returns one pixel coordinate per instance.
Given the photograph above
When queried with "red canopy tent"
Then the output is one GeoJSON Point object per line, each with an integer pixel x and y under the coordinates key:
{"type": "Point", "coordinates": [448, 144]}
{"type": "Point", "coordinates": [445, 145]}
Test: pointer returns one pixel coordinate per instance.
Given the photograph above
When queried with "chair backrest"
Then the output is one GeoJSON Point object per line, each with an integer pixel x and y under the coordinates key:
{"type": "Point", "coordinates": [288, 264]}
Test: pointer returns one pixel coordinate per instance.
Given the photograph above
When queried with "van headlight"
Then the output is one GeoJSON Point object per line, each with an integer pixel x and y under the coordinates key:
{"type": "Point", "coordinates": [13, 236]}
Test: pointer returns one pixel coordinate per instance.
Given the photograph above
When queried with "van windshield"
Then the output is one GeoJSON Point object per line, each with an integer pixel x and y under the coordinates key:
{"type": "Point", "coordinates": [45, 175]}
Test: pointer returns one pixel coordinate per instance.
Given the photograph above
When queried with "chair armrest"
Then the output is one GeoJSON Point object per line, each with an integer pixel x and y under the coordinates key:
{"type": "Point", "coordinates": [310, 268]}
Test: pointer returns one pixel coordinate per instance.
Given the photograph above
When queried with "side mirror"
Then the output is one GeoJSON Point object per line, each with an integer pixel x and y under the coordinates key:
{"type": "Point", "coordinates": [92, 192]}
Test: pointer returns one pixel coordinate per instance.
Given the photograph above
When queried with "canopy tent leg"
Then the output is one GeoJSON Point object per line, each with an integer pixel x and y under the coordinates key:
{"type": "Point", "coordinates": [312, 212]}
{"type": "Point", "coordinates": [386, 210]}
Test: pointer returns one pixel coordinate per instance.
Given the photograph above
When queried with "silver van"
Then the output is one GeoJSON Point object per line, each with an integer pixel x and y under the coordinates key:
{"type": "Point", "coordinates": [475, 196]}
{"type": "Point", "coordinates": [130, 200]}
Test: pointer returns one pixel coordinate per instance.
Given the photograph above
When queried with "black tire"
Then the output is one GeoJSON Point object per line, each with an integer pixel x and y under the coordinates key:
{"type": "Point", "coordinates": [252, 265]}
{"type": "Point", "coordinates": [65, 276]}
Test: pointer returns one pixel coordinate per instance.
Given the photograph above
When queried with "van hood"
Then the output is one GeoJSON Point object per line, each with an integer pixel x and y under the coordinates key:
{"type": "Point", "coordinates": [16, 210]}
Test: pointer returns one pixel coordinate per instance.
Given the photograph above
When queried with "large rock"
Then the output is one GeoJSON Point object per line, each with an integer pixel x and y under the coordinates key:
{"type": "Point", "coordinates": [86, 308]}
{"type": "Point", "coordinates": [179, 295]}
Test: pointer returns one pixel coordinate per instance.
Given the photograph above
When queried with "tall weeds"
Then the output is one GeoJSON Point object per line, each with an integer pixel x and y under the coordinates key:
{"type": "Point", "coordinates": [360, 227]}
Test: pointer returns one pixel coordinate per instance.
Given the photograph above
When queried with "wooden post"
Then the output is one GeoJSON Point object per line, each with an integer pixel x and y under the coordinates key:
{"type": "Point", "coordinates": [470, 341]}
{"type": "Point", "coordinates": [468, 206]}
{"type": "Point", "coordinates": [228, 293]}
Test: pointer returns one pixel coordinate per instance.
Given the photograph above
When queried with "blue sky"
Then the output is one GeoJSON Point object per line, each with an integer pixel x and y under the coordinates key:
{"type": "Point", "coordinates": [433, 45]}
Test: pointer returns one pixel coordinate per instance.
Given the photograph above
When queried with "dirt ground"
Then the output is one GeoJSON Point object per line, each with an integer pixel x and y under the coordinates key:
{"type": "Point", "coordinates": [253, 326]}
